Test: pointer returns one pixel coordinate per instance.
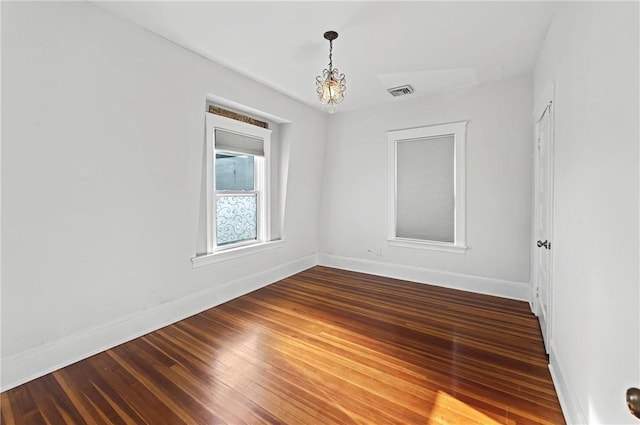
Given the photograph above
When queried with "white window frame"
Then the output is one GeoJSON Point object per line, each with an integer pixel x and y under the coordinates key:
{"type": "Point", "coordinates": [261, 175]}
{"type": "Point", "coordinates": [458, 131]}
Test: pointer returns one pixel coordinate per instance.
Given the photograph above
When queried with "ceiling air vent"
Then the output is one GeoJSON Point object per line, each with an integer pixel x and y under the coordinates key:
{"type": "Point", "coordinates": [401, 91]}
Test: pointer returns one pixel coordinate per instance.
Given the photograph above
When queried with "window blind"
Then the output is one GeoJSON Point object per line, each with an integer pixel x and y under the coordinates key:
{"type": "Point", "coordinates": [425, 192]}
{"type": "Point", "coordinates": [239, 143]}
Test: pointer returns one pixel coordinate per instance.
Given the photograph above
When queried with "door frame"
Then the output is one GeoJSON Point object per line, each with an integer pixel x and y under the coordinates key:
{"type": "Point", "coordinates": [546, 100]}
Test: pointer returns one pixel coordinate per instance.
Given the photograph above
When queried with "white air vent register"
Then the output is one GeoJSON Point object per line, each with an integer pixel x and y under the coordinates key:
{"type": "Point", "coordinates": [401, 90]}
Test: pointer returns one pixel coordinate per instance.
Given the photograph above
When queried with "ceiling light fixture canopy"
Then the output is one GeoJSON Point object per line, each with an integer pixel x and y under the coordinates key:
{"type": "Point", "coordinates": [331, 85]}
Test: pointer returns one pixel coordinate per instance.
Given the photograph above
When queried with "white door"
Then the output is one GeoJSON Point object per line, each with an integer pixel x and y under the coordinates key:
{"type": "Point", "coordinates": [543, 221]}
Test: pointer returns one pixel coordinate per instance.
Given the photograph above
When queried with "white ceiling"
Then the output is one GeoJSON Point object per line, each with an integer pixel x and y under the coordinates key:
{"type": "Point", "coordinates": [434, 46]}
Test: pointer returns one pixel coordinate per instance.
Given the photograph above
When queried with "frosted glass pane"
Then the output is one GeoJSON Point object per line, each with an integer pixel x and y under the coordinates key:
{"type": "Point", "coordinates": [425, 189]}
{"type": "Point", "coordinates": [236, 218]}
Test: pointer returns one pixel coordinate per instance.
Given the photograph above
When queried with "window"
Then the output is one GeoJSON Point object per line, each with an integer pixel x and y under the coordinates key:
{"type": "Point", "coordinates": [426, 187]}
{"type": "Point", "coordinates": [237, 184]}
{"type": "Point", "coordinates": [236, 198]}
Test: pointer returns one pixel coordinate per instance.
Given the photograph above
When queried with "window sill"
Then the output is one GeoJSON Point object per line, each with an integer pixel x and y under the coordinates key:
{"type": "Point", "coordinates": [232, 253]}
{"type": "Point", "coordinates": [433, 246]}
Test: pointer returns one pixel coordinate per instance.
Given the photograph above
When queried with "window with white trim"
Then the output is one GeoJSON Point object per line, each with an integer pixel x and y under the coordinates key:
{"type": "Point", "coordinates": [427, 187]}
{"type": "Point", "coordinates": [237, 183]}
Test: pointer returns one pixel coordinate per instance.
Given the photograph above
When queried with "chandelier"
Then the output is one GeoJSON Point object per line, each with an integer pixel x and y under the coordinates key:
{"type": "Point", "coordinates": [331, 85]}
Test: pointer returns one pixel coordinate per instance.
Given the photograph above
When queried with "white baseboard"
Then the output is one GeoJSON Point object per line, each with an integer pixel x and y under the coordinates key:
{"type": "Point", "coordinates": [571, 409]}
{"type": "Point", "coordinates": [33, 363]}
{"type": "Point", "coordinates": [38, 361]}
{"type": "Point", "coordinates": [520, 291]}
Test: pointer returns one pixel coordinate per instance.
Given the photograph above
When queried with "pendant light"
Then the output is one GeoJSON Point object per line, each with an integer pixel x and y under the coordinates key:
{"type": "Point", "coordinates": [331, 85]}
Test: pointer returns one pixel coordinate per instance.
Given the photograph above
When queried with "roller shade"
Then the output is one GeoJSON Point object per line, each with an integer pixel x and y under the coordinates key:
{"type": "Point", "coordinates": [239, 143]}
{"type": "Point", "coordinates": [426, 189]}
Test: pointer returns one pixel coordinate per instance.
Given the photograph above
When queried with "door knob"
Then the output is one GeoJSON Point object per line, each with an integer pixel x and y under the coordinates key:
{"type": "Point", "coordinates": [633, 401]}
{"type": "Point", "coordinates": [545, 244]}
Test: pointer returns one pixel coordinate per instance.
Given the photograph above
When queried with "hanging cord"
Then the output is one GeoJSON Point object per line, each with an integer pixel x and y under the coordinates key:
{"type": "Point", "coordinates": [330, 55]}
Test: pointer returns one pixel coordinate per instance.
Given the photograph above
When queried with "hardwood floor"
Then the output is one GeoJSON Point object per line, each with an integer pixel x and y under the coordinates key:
{"type": "Point", "coordinates": [324, 346]}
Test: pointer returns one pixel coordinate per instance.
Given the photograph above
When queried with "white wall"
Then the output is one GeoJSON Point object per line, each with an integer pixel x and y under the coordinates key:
{"type": "Point", "coordinates": [498, 178]}
{"type": "Point", "coordinates": [103, 126]}
{"type": "Point", "coordinates": [591, 52]}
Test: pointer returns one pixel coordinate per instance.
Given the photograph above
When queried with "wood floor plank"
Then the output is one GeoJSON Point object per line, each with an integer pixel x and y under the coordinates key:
{"type": "Point", "coordinates": [324, 346]}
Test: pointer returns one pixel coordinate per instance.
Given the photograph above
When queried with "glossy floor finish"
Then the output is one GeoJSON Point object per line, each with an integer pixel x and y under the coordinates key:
{"type": "Point", "coordinates": [324, 346]}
